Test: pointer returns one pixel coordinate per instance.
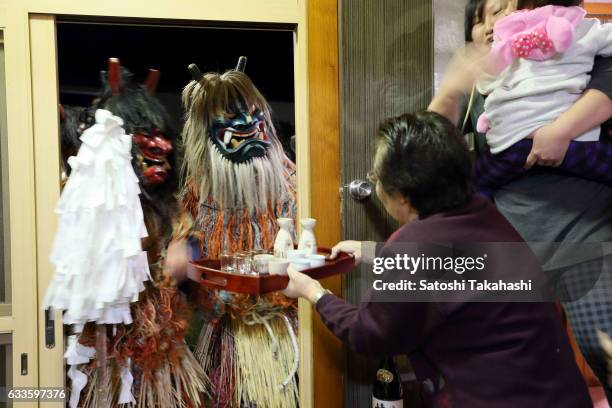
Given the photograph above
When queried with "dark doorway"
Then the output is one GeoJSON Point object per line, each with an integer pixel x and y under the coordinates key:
{"type": "Point", "coordinates": [83, 49]}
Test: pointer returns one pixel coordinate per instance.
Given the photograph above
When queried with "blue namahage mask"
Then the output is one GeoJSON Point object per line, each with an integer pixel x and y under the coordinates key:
{"type": "Point", "coordinates": [240, 136]}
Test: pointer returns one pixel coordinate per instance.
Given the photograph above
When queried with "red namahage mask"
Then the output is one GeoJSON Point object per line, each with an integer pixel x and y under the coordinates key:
{"type": "Point", "coordinates": [155, 148]}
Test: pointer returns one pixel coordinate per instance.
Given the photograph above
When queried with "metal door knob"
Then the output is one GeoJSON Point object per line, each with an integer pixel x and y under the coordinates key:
{"type": "Point", "coordinates": [360, 189]}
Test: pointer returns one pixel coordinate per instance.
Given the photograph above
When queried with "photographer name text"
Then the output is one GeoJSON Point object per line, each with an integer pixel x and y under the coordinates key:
{"type": "Point", "coordinates": [458, 285]}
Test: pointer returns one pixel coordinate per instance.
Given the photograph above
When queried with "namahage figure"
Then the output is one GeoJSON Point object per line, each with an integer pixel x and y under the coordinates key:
{"type": "Point", "coordinates": [236, 182]}
{"type": "Point", "coordinates": [147, 363]}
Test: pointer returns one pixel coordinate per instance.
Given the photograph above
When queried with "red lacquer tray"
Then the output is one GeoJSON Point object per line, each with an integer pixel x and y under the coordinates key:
{"type": "Point", "coordinates": [207, 273]}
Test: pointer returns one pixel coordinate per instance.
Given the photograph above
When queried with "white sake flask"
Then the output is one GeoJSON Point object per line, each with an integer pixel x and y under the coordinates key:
{"type": "Point", "coordinates": [308, 242]}
{"type": "Point", "coordinates": [284, 240]}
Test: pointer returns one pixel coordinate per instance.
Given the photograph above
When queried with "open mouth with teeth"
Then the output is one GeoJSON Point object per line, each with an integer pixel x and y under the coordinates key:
{"type": "Point", "coordinates": [233, 139]}
{"type": "Point", "coordinates": [154, 171]}
{"type": "Point", "coordinates": [240, 145]}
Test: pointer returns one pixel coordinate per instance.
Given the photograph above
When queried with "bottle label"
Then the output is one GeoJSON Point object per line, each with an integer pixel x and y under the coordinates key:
{"type": "Point", "coordinates": [384, 376]}
{"type": "Point", "coordinates": [376, 403]}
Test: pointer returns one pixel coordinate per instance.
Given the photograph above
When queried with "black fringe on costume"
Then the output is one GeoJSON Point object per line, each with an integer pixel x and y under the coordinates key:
{"type": "Point", "coordinates": [74, 120]}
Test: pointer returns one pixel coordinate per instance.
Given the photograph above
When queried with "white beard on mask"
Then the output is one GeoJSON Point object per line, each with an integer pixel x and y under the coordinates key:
{"type": "Point", "coordinates": [254, 185]}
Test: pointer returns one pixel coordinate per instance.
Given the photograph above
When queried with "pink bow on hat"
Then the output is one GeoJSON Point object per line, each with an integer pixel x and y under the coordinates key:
{"type": "Point", "coordinates": [534, 34]}
{"type": "Point", "coordinates": [524, 44]}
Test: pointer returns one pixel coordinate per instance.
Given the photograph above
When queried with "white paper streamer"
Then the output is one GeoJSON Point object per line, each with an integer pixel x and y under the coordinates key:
{"type": "Point", "coordinates": [125, 395]}
{"type": "Point", "coordinates": [99, 263]}
{"type": "Point", "coordinates": [78, 380]}
{"type": "Point", "coordinates": [77, 354]}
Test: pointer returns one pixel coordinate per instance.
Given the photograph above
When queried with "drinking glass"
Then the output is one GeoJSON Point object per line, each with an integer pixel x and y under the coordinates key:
{"type": "Point", "coordinates": [260, 266]}
{"type": "Point", "coordinates": [227, 262]}
{"type": "Point", "coordinates": [242, 263]}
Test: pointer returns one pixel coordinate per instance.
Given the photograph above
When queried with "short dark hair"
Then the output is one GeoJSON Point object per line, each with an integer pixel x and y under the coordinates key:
{"type": "Point", "coordinates": [424, 157]}
{"type": "Point", "coordinates": [473, 8]}
{"type": "Point", "coordinates": [522, 4]}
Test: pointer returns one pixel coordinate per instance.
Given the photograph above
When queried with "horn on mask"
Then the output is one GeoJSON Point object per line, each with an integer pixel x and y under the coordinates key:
{"type": "Point", "coordinates": [195, 72]}
{"type": "Point", "coordinates": [114, 75]}
{"type": "Point", "coordinates": [152, 81]}
{"type": "Point", "coordinates": [241, 66]}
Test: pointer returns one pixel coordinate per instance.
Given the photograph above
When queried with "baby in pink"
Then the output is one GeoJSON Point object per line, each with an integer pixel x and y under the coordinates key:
{"type": "Point", "coordinates": [539, 66]}
{"type": "Point", "coordinates": [541, 60]}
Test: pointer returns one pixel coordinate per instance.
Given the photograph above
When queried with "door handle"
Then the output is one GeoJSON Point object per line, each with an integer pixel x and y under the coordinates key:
{"type": "Point", "coordinates": [359, 190]}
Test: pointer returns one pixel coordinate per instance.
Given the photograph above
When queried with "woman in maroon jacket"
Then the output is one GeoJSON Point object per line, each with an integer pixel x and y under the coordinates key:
{"type": "Point", "coordinates": [476, 354]}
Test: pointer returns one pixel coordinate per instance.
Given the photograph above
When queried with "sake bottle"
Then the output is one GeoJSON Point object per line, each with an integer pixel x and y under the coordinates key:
{"type": "Point", "coordinates": [308, 242]}
{"type": "Point", "coordinates": [387, 389]}
{"type": "Point", "coordinates": [284, 240]}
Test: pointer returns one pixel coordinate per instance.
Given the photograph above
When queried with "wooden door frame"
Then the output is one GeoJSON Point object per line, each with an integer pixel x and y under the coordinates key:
{"type": "Point", "coordinates": [321, 363]}
{"type": "Point", "coordinates": [598, 9]}
{"type": "Point", "coordinates": [318, 179]}
{"type": "Point", "coordinates": [38, 194]}
{"type": "Point", "coordinates": [323, 85]}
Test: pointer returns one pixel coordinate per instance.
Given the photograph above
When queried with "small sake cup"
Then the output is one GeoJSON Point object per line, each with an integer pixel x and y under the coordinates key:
{"type": "Point", "coordinates": [296, 254]}
{"type": "Point", "coordinates": [300, 264]}
{"type": "Point", "coordinates": [278, 266]}
{"type": "Point", "coordinates": [316, 260]}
